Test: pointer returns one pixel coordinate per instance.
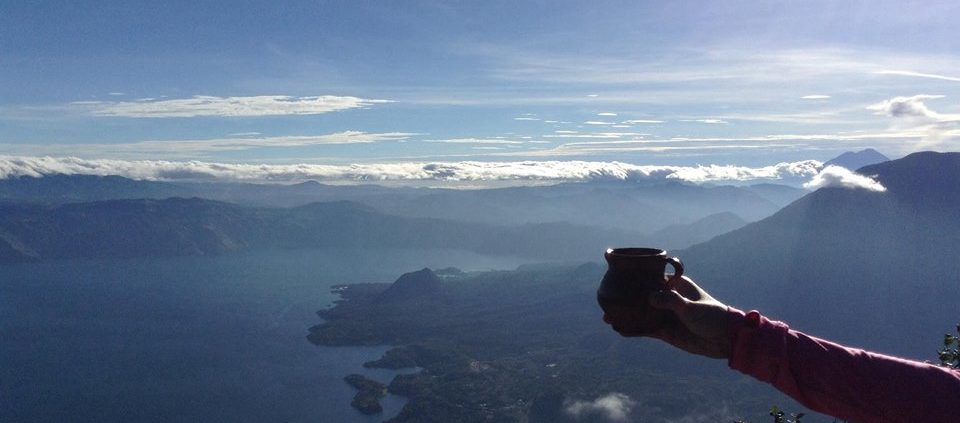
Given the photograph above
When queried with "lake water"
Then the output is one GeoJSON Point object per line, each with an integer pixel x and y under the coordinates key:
{"type": "Point", "coordinates": [190, 338]}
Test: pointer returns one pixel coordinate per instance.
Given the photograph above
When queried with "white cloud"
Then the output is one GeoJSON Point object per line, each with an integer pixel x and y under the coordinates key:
{"type": "Point", "coordinates": [597, 135]}
{"type": "Point", "coordinates": [815, 97]}
{"type": "Point", "coordinates": [117, 93]}
{"type": "Point", "coordinates": [637, 121]}
{"type": "Point", "coordinates": [840, 177]}
{"type": "Point", "coordinates": [198, 106]}
{"type": "Point", "coordinates": [598, 122]}
{"type": "Point", "coordinates": [613, 407]}
{"type": "Point", "coordinates": [912, 113]}
{"type": "Point", "coordinates": [475, 141]}
{"type": "Point", "coordinates": [525, 118]}
{"type": "Point", "coordinates": [200, 147]}
{"type": "Point", "coordinates": [917, 74]}
{"type": "Point", "coordinates": [565, 132]}
{"type": "Point", "coordinates": [559, 171]}
{"type": "Point", "coordinates": [906, 107]}
{"type": "Point", "coordinates": [707, 121]}
{"type": "Point", "coordinates": [606, 114]}
{"type": "Point", "coordinates": [245, 134]}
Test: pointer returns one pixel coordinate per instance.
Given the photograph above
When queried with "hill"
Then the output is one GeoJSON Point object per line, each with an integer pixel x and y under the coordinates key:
{"type": "Point", "coordinates": [635, 206]}
{"type": "Point", "coordinates": [854, 160]}
{"type": "Point", "coordinates": [178, 226]}
{"type": "Point", "coordinates": [873, 269]}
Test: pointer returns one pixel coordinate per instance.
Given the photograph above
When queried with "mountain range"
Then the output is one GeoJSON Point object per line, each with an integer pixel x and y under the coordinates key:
{"type": "Point", "coordinates": [178, 226]}
{"type": "Point", "coordinates": [631, 206]}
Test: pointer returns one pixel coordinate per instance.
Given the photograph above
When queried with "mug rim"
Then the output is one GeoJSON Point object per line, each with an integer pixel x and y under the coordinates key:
{"type": "Point", "coordinates": [636, 252]}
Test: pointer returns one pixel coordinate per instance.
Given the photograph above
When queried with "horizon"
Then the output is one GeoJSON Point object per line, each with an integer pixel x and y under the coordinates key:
{"type": "Point", "coordinates": [375, 84]}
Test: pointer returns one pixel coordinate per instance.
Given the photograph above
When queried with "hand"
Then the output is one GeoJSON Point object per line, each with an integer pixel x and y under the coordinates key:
{"type": "Point", "coordinates": [702, 322]}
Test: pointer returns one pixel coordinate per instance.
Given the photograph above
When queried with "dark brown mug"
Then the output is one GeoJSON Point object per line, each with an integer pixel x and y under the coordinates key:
{"type": "Point", "coordinates": [632, 275]}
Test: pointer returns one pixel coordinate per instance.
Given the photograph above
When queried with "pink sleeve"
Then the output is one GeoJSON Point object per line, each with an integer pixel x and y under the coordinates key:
{"type": "Point", "coordinates": [847, 383]}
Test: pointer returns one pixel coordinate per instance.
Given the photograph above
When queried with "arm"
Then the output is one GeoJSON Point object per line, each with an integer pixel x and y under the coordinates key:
{"type": "Point", "coordinates": [843, 382]}
{"type": "Point", "coordinates": [848, 383]}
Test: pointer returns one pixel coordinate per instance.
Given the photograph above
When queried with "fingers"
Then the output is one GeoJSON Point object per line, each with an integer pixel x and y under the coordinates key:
{"type": "Point", "coordinates": [669, 300]}
{"type": "Point", "coordinates": [687, 288]}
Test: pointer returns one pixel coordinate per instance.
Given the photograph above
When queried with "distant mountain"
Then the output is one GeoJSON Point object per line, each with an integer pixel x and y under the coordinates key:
{"type": "Point", "coordinates": [420, 284]}
{"type": "Point", "coordinates": [778, 194]}
{"type": "Point", "coordinates": [177, 226]}
{"type": "Point", "coordinates": [873, 269]}
{"type": "Point", "coordinates": [635, 206]}
{"type": "Point", "coordinates": [631, 206]}
{"type": "Point", "coordinates": [57, 189]}
{"type": "Point", "coordinates": [682, 236]}
{"type": "Point", "coordinates": [855, 160]}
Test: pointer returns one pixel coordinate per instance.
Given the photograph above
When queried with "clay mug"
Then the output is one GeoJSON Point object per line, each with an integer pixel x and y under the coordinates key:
{"type": "Point", "coordinates": [632, 275]}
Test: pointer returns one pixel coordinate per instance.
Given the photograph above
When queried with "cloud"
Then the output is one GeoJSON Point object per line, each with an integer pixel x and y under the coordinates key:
{"type": "Point", "coordinates": [606, 114]}
{"type": "Point", "coordinates": [534, 171]}
{"type": "Point", "coordinates": [475, 141]}
{"type": "Point", "coordinates": [815, 97]}
{"type": "Point", "coordinates": [598, 122]}
{"type": "Point", "coordinates": [840, 177]}
{"type": "Point", "coordinates": [918, 75]}
{"type": "Point", "coordinates": [574, 134]}
{"type": "Point", "coordinates": [200, 147]}
{"type": "Point", "coordinates": [636, 121]}
{"type": "Point", "coordinates": [525, 118]}
{"type": "Point", "coordinates": [911, 112]}
{"type": "Point", "coordinates": [209, 106]}
{"type": "Point", "coordinates": [914, 106]}
{"type": "Point", "coordinates": [707, 121]}
{"type": "Point", "coordinates": [613, 407]}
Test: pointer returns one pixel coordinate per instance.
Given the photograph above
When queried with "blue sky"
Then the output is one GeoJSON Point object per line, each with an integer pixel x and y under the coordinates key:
{"type": "Point", "coordinates": [381, 82]}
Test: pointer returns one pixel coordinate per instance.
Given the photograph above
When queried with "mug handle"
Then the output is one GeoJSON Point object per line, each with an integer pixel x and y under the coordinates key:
{"type": "Point", "coordinates": [677, 267]}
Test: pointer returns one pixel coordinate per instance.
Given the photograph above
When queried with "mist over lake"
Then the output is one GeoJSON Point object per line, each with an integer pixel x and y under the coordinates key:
{"type": "Point", "coordinates": [191, 338]}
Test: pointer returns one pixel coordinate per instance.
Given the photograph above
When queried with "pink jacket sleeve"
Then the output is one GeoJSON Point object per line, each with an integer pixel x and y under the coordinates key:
{"type": "Point", "coordinates": [847, 383]}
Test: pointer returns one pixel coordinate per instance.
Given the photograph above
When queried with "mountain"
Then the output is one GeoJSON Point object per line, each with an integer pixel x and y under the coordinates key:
{"type": "Point", "coordinates": [778, 194]}
{"type": "Point", "coordinates": [645, 206]}
{"type": "Point", "coordinates": [634, 206]}
{"type": "Point", "coordinates": [681, 236]}
{"type": "Point", "coordinates": [873, 269]}
{"type": "Point", "coordinates": [59, 188]}
{"type": "Point", "coordinates": [178, 226]}
{"type": "Point", "coordinates": [855, 160]}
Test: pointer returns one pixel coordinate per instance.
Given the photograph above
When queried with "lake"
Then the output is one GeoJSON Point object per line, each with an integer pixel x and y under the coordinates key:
{"type": "Point", "coordinates": [191, 338]}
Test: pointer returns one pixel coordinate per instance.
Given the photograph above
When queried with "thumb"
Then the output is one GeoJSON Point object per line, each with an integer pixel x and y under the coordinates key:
{"type": "Point", "coordinates": [668, 300]}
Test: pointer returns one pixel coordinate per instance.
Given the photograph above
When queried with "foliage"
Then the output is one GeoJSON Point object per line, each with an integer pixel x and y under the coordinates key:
{"type": "Point", "coordinates": [950, 353]}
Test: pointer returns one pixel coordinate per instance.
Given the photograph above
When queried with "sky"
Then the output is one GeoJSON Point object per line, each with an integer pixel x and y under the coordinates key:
{"type": "Point", "coordinates": [393, 83]}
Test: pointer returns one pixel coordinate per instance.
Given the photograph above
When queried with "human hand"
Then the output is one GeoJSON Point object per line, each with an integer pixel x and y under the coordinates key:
{"type": "Point", "coordinates": [702, 322]}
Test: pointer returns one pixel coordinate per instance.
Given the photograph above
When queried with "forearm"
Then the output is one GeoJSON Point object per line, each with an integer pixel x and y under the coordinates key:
{"type": "Point", "coordinates": [843, 382]}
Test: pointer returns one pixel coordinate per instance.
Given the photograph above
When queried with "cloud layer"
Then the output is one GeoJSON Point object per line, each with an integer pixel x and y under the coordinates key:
{"type": "Point", "coordinates": [613, 406]}
{"type": "Point", "coordinates": [559, 171]}
{"type": "Point", "coordinates": [199, 106]}
{"type": "Point", "coordinates": [840, 177]}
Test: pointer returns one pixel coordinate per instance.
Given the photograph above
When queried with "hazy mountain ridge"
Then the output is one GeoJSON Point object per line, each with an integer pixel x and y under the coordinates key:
{"type": "Point", "coordinates": [867, 268]}
{"type": "Point", "coordinates": [854, 160]}
{"type": "Point", "coordinates": [635, 206]}
{"type": "Point", "coordinates": [139, 228]}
